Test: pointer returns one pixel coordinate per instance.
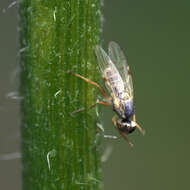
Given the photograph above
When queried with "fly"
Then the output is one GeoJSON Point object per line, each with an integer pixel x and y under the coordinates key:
{"type": "Point", "coordinates": [118, 81]}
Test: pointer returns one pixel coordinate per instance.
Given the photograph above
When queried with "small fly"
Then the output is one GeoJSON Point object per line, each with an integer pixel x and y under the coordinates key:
{"type": "Point", "coordinates": [118, 81]}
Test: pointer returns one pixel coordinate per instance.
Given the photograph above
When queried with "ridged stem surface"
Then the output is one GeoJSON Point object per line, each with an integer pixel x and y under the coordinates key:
{"type": "Point", "coordinates": [59, 150]}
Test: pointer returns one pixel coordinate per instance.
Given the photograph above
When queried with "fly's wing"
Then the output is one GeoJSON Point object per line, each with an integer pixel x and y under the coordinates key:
{"type": "Point", "coordinates": [103, 59]}
{"type": "Point", "coordinates": [106, 65]}
{"type": "Point", "coordinates": [120, 61]}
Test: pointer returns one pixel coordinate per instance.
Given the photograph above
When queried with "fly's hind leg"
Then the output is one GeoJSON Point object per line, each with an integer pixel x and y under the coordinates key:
{"type": "Point", "coordinates": [122, 134]}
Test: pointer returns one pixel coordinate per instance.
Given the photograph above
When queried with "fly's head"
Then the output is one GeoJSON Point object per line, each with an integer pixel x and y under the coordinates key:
{"type": "Point", "coordinates": [126, 126]}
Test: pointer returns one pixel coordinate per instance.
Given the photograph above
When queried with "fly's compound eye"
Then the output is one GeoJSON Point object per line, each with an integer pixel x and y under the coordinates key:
{"type": "Point", "coordinates": [131, 129]}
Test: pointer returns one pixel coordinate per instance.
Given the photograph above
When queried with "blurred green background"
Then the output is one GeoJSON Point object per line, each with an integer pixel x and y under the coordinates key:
{"type": "Point", "coordinates": [155, 37]}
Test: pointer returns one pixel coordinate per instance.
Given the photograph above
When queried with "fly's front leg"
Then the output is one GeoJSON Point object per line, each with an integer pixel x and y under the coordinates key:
{"type": "Point", "coordinates": [122, 134]}
{"type": "Point", "coordinates": [138, 126]}
{"type": "Point", "coordinates": [114, 121]}
{"type": "Point", "coordinates": [126, 138]}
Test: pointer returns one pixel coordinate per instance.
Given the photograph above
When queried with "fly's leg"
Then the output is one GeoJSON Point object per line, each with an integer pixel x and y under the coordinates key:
{"type": "Point", "coordinates": [100, 102]}
{"type": "Point", "coordinates": [91, 82]}
{"type": "Point", "coordinates": [138, 126]}
{"type": "Point", "coordinates": [93, 105]}
{"type": "Point", "coordinates": [99, 87]}
{"type": "Point", "coordinates": [126, 138]}
{"type": "Point", "coordinates": [121, 133]}
{"type": "Point", "coordinates": [114, 121]}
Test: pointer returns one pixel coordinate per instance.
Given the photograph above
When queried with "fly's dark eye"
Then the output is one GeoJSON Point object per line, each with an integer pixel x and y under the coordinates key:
{"type": "Point", "coordinates": [131, 129]}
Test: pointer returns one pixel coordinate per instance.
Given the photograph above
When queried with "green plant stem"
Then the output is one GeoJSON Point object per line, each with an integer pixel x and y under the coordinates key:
{"type": "Point", "coordinates": [59, 150]}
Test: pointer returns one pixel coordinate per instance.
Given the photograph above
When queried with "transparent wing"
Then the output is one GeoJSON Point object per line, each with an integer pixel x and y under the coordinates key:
{"type": "Point", "coordinates": [103, 59]}
{"type": "Point", "coordinates": [118, 58]}
{"type": "Point", "coordinates": [106, 66]}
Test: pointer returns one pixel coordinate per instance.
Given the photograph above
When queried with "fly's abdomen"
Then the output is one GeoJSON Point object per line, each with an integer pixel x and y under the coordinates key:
{"type": "Point", "coordinates": [114, 82]}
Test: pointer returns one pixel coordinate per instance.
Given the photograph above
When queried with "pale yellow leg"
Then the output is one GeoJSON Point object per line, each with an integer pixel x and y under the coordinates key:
{"type": "Point", "coordinates": [138, 126]}
{"type": "Point", "coordinates": [121, 133]}
{"type": "Point", "coordinates": [126, 138]}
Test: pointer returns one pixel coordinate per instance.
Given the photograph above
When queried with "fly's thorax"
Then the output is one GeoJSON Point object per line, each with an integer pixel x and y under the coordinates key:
{"type": "Point", "coordinates": [124, 108]}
